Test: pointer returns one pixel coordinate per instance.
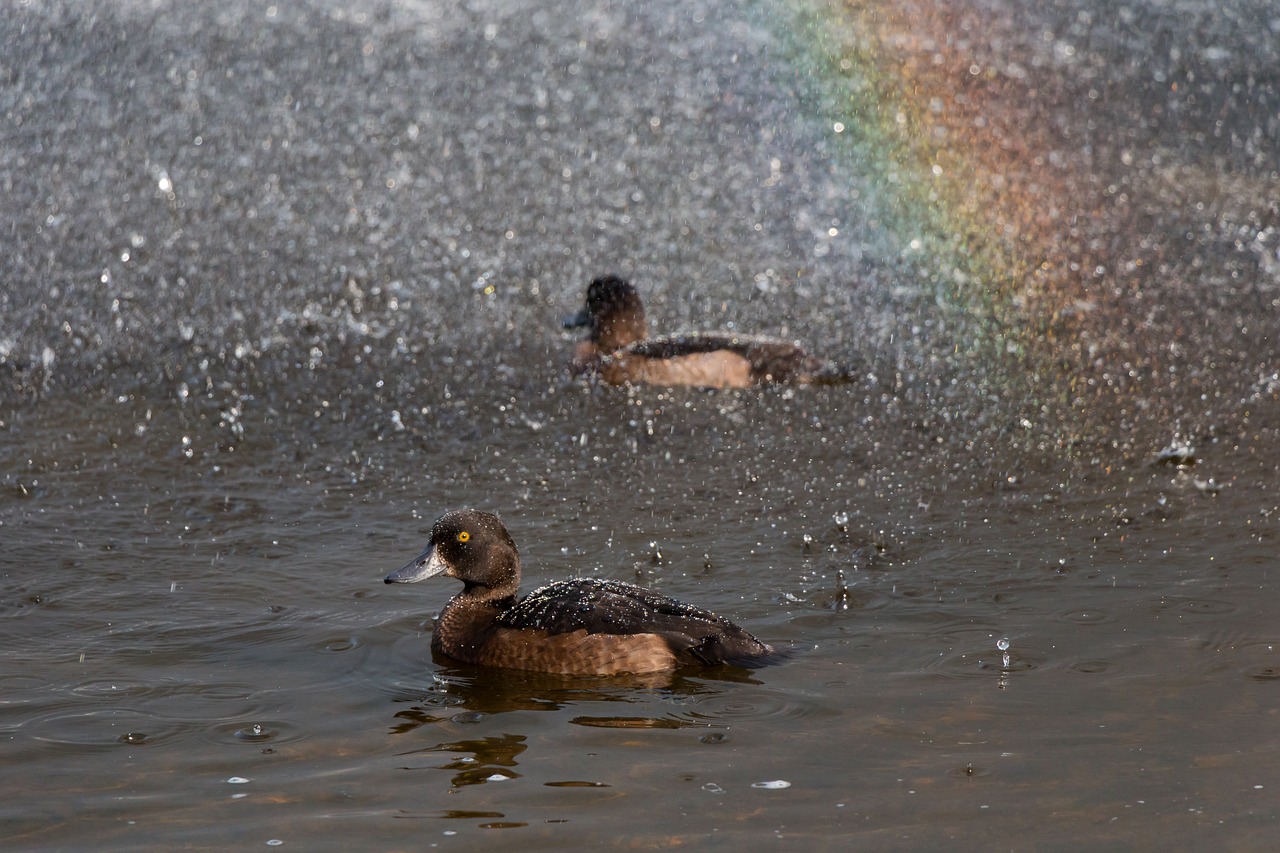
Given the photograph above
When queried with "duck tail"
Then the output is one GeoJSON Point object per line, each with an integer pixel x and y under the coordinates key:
{"type": "Point", "coordinates": [833, 374]}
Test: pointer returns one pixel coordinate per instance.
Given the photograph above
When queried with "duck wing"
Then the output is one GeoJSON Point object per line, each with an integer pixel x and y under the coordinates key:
{"type": "Point", "coordinates": [770, 358]}
{"type": "Point", "coordinates": [612, 607]}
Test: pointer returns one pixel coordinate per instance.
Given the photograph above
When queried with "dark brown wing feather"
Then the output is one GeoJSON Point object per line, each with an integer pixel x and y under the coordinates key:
{"type": "Point", "coordinates": [611, 607]}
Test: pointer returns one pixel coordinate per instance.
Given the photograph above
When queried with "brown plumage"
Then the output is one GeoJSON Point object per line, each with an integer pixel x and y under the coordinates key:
{"type": "Point", "coordinates": [617, 348]}
{"type": "Point", "coordinates": [576, 627]}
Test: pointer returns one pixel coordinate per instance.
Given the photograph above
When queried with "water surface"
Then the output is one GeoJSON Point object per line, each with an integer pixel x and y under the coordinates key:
{"type": "Point", "coordinates": [283, 285]}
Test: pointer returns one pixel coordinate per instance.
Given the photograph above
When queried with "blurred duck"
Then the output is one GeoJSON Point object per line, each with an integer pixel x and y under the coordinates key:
{"type": "Point", "coordinates": [617, 348]}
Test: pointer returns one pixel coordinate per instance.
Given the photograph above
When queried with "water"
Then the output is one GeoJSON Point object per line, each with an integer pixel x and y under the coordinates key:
{"type": "Point", "coordinates": [1025, 570]}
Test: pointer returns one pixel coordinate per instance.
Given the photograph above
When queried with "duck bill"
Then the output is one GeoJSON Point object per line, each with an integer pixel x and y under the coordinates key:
{"type": "Point", "coordinates": [429, 564]}
{"type": "Point", "coordinates": [577, 321]}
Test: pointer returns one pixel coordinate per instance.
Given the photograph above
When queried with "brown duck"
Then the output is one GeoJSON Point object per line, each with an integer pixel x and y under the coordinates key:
{"type": "Point", "coordinates": [583, 626]}
{"type": "Point", "coordinates": [617, 349]}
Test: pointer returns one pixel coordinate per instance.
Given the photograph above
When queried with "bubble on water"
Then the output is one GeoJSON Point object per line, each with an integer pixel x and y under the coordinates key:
{"type": "Point", "coordinates": [841, 519]}
{"type": "Point", "coordinates": [497, 777]}
{"type": "Point", "coordinates": [274, 842]}
{"type": "Point", "coordinates": [715, 737]}
{"type": "Point", "coordinates": [237, 780]}
{"type": "Point", "coordinates": [774, 785]}
{"type": "Point", "coordinates": [712, 788]}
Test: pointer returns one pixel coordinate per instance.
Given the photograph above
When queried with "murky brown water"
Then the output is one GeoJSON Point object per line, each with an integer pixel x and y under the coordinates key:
{"type": "Point", "coordinates": [232, 405]}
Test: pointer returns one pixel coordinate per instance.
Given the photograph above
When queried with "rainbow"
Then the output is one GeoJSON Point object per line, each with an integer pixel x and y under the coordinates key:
{"type": "Point", "coordinates": [974, 183]}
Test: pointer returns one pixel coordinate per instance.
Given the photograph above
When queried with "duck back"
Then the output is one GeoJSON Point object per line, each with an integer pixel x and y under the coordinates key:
{"type": "Point", "coordinates": [618, 610]}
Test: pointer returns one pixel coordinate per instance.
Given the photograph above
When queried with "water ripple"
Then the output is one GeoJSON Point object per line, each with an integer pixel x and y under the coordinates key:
{"type": "Point", "coordinates": [979, 663]}
{"type": "Point", "coordinates": [258, 731]}
{"type": "Point", "coordinates": [1090, 616]}
{"type": "Point", "coordinates": [1196, 606]}
{"type": "Point", "coordinates": [1092, 667]}
{"type": "Point", "coordinates": [753, 705]}
{"type": "Point", "coordinates": [104, 728]}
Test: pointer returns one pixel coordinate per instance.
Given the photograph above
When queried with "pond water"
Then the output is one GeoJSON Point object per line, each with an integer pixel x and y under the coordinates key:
{"type": "Point", "coordinates": [283, 283]}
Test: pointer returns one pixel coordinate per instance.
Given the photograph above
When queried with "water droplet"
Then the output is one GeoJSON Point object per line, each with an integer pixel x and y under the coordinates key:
{"type": "Point", "coordinates": [255, 733]}
{"type": "Point", "coordinates": [1177, 454]}
{"type": "Point", "coordinates": [775, 785]}
{"type": "Point", "coordinates": [1003, 644]}
{"type": "Point", "coordinates": [133, 737]}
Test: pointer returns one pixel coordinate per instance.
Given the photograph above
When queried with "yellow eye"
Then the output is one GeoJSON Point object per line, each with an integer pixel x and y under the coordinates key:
{"type": "Point", "coordinates": [464, 536]}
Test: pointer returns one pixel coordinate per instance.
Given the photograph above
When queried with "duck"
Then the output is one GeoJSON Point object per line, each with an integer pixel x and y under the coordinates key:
{"type": "Point", "coordinates": [580, 627]}
{"type": "Point", "coordinates": [618, 349]}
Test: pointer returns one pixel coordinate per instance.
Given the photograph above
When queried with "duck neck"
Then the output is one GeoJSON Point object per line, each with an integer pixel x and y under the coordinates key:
{"type": "Point", "coordinates": [464, 625]}
{"type": "Point", "coordinates": [625, 327]}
